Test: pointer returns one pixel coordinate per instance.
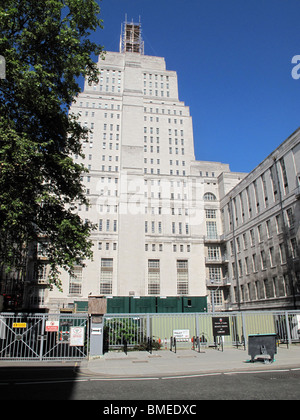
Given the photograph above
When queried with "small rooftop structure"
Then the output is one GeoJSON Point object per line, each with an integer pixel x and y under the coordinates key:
{"type": "Point", "coordinates": [131, 38]}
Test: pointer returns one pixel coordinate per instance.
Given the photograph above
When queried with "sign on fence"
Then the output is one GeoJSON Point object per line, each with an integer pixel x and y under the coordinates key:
{"type": "Point", "coordinates": [52, 326]}
{"type": "Point", "coordinates": [220, 326]}
{"type": "Point", "coordinates": [77, 336]}
{"type": "Point", "coordinates": [19, 325]}
{"type": "Point", "coordinates": [181, 334]}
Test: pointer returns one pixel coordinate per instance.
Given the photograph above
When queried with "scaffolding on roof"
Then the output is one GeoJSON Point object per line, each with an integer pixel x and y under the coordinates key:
{"type": "Point", "coordinates": [131, 37]}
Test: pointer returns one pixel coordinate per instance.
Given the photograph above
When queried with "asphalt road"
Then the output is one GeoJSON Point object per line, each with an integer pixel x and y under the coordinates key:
{"type": "Point", "coordinates": [66, 383]}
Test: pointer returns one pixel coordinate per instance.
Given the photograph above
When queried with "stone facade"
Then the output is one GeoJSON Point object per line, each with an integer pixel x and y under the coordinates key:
{"type": "Point", "coordinates": [261, 232]}
{"type": "Point", "coordinates": [168, 225]}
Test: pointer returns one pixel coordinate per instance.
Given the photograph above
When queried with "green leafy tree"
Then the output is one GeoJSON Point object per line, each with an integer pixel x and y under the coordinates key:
{"type": "Point", "coordinates": [47, 48]}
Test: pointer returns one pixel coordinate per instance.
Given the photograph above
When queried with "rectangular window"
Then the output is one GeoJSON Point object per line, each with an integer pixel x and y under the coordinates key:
{"type": "Point", "coordinates": [182, 277]}
{"type": "Point", "coordinates": [279, 226]}
{"type": "Point", "coordinates": [252, 237]}
{"type": "Point", "coordinates": [213, 253]}
{"type": "Point", "coordinates": [215, 274]}
{"type": "Point", "coordinates": [75, 281]}
{"type": "Point", "coordinates": [282, 253]}
{"type": "Point", "coordinates": [272, 256]}
{"type": "Point", "coordinates": [259, 231]}
{"type": "Point", "coordinates": [106, 276]}
{"type": "Point", "coordinates": [217, 297]}
{"type": "Point", "coordinates": [153, 277]}
{"type": "Point", "coordinates": [247, 268]}
{"type": "Point", "coordinates": [173, 227]}
{"type": "Point", "coordinates": [263, 260]}
{"type": "Point", "coordinates": [211, 228]}
{"type": "Point", "coordinates": [254, 263]}
{"type": "Point", "coordinates": [284, 176]}
{"type": "Point", "coordinates": [210, 214]}
{"type": "Point", "coordinates": [269, 228]}
{"type": "Point", "coordinates": [294, 248]}
{"type": "Point", "coordinates": [290, 217]}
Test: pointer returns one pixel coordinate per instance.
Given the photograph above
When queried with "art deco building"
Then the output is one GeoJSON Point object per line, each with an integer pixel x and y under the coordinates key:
{"type": "Point", "coordinates": [156, 208]}
{"type": "Point", "coordinates": [170, 227]}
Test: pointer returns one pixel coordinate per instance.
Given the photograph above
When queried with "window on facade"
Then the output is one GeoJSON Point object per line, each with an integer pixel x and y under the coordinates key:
{"type": "Point", "coordinates": [265, 191]}
{"type": "Point", "coordinates": [272, 256]}
{"type": "Point", "coordinates": [274, 181]}
{"type": "Point", "coordinates": [106, 276]}
{"type": "Point", "coordinates": [213, 253]}
{"type": "Point", "coordinates": [284, 175]}
{"type": "Point", "coordinates": [269, 229]}
{"type": "Point", "coordinates": [252, 237]}
{"type": "Point", "coordinates": [282, 253]}
{"type": "Point", "coordinates": [211, 228]}
{"type": "Point", "coordinates": [210, 213]}
{"type": "Point", "coordinates": [217, 297]}
{"type": "Point", "coordinates": [209, 197]}
{"type": "Point", "coordinates": [182, 277]}
{"type": "Point", "coordinates": [263, 260]}
{"type": "Point", "coordinates": [153, 277]}
{"type": "Point", "coordinates": [42, 272]}
{"type": "Point", "coordinates": [294, 248]}
{"type": "Point", "coordinates": [75, 281]}
{"type": "Point", "coordinates": [290, 217]}
{"type": "Point", "coordinates": [259, 230]}
{"type": "Point", "coordinates": [215, 274]}
{"type": "Point", "coordinates": [254, 263]}
{"type": "Point", "coordinates": [278, 219]}
{"type": "Point", "coordinates": [247, 265]}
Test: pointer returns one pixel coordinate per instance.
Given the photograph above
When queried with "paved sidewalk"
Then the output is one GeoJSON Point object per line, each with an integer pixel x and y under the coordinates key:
{"type": "Point", "coordinates": [184, 362]}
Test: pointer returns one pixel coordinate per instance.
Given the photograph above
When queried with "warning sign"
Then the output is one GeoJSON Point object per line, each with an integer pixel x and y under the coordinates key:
{"type": "Point", "coordinates": [19, 325]}
{"type": "Point", "coordinates": [52, 326]}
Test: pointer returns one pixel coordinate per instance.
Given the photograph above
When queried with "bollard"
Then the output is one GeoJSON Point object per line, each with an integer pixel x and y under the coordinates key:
{"type": "Point", "coordinates": [125, 345]}
{"type": "Point", "coordinates": [149, 345]}
{"type": "Point", "coordinates": [173, 343]}
{"type": "Point", "coordinates": [198, 344]}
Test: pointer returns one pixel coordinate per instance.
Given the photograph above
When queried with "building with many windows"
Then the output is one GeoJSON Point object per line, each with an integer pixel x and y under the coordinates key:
{"type": "Point", "coordinates": [167, 225]}
{"type": "Point", "coordinates": [156, 207]}
{"type": "Point", "coordinates": [261, 224]}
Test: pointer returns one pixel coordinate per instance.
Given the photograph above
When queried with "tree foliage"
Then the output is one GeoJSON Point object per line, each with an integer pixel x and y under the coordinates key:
{"type": "Point", "coordinates": [46, 47]}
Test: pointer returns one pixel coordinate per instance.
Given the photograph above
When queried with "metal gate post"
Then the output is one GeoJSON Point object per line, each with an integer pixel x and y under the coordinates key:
{"type": "Point", "coordinates": [288, 331]}
{"type": "Point", "coordinates": [244, 330]}
{"type": "Point", "coordinates": [42, 337]}
{"type": "Point", "coordinates": [148, 326]}
{"type": "Point", "coordinates": [197, 325]}
{"type": "Point", "coordinates": [96, 335]}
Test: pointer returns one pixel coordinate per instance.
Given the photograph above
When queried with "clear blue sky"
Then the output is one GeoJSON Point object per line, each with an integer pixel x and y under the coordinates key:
{"type": "Point", "coordinates": [233, 60]}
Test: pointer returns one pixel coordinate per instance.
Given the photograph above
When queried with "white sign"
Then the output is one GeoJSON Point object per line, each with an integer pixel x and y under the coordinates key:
{"type": "Point", "coordinates": [181, 334]}
{"type": "Point", "coordinates": [52, 326]}
{"type": "Point", "coordinates": [96, 331]}
{"type": "Point", "coordinates": [76, 336]}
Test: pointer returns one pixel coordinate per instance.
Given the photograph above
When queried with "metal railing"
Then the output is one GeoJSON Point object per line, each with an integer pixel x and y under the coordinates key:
{"type": "Point", "coordinates": [66, 336]}
{"type": "Point", "coordinates": [43, 336]}
{"type": "Point", "coordinates": [137, 328]}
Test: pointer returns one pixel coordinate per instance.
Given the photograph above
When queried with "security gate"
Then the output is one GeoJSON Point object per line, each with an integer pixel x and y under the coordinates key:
{"type": "Point", "coordinates": [43, 336]}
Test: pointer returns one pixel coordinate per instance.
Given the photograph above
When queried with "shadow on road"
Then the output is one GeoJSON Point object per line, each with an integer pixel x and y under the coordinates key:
{"type": "Point", "coordinates": [37, 383]}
